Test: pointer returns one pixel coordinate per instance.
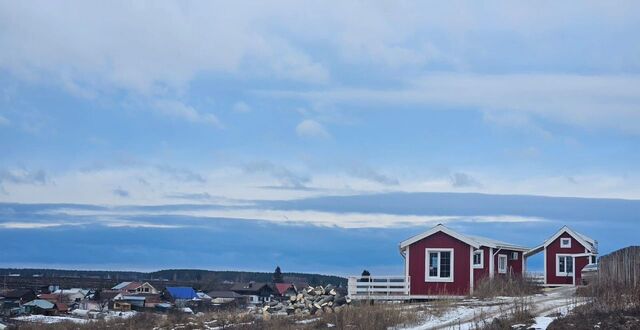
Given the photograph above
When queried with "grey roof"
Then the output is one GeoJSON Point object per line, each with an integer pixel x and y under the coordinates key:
{"type": "Point", "coordinates": [44, 304]}
{"type": "Point", "coordinates": [223, 294]}
{"type": "Point", "coordinates": [133, 298]}
{"type": "Point", "coordinates": [249, 287]}
{"type": "Point", "coordinates": [120, 285]}
{"type": "Point", "coordinates": [475, 241]}
{"type": "Point", "coordinates": [490, 242]}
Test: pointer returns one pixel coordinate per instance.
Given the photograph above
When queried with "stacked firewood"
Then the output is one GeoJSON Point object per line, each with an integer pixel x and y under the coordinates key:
{"type": "Point", "coordinates": [309, 301]}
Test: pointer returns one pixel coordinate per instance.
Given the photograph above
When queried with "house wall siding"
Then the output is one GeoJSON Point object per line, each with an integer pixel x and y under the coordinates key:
{"type": "Point", "coordinates": [461, 264]}
{"type": "Point", "coordinates": [481, 273]}
{"type": "Point", "coordinates": [514, 267]}
{"type": "Point", "coordinates": [554, 249]}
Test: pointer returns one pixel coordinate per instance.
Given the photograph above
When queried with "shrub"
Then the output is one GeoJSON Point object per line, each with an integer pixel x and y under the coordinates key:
{"type": "Point", "coordinates": [512, 286]}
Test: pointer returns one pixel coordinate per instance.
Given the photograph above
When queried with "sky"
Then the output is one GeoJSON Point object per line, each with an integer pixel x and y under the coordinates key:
{"type": "Point", "coordinates": [355, 123]}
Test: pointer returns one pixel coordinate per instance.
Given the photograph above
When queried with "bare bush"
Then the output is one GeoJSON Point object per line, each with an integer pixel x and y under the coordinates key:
{"type": "Point", "coordinates": [377, 316]}
{"type": "Point", "coordinates": [511, 286]}
{"type": "Point", "coordinates": [518, 312]}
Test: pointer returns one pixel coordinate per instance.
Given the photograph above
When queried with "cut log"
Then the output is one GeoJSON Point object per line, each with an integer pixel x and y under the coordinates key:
{"type": "Point", "coordinates": [328, 288]}
{"type": "Point", "coordinates": [340, 300]}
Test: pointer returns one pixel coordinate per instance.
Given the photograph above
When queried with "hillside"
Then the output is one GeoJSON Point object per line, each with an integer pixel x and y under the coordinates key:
{"type": "Point", "coordinates": [175, 275]}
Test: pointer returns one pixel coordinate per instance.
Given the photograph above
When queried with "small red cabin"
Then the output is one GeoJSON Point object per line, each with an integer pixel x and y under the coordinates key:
{"type": "Point", "coordinates": [566, 253]}
{"type": "Point", "coordinates": [444, 262]}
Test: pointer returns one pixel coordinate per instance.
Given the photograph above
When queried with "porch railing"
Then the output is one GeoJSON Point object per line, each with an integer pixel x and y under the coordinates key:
{"type": "Point", "coordinates": [359, 286]}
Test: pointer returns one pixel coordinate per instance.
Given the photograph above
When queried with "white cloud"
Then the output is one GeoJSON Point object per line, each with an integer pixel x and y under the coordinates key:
{"type": "Point", "coordinates": [144, 47]}
{"type": "Point", "coordinates": [595, 101]}
{"type": "Point", "coordinates": [149, 185]}
{"type": "Point", "coordinates": [182, 111]}
{"type": "Point", "coordinates": [319, 218]}
{"type": "Point", "coordinates": [312, 129]}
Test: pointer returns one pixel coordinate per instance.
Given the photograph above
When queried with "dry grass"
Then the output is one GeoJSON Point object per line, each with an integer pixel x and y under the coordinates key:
{"type": "Point", "coordinates": [362, 316]}
{"type": "Point", "coordinates": [518, 312]}
{"type": "Point", "coordinates": [379, 316]}
{"type": "Point", "coordinates": [611, 296]}
{"type": "Point", "coordinates": [611, 305]}
{"type": "Point", "coordinates": [511, 286]}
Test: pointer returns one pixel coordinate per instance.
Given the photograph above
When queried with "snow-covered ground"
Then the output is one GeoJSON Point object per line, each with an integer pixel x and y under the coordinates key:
{"type": "Point", "coordinates": [49, 319]}
{"type": "Point", "coordinates": [57, 319]}
{"type": "Point", "coordinates": [471, 313]}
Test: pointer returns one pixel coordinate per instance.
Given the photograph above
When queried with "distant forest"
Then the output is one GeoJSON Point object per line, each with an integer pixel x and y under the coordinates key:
{"type": "Point", "coordinates": [176, 275]}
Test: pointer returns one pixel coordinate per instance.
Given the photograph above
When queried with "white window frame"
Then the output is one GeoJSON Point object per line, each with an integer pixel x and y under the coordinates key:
{"type": "Point", "coordinates": [512, 254]}
{"type": "Point", "coordinates": [506, 259]}
{"type": "Point", "coordinates": [573, 265]}
{"type": "Point", "coordinates": [565, 242]}
{"type": "Point", "coordinates": [481, 264]}
{"type": "Point", "coordinates": [437, 278]}
{"type": "Point", "coordinates": [593, 259]}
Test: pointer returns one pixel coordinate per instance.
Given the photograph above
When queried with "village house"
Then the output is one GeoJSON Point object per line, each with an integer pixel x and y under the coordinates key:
{"type": "Point", "coordinates": [254, 291]}
{"type": "Point", "coordinates": [286, 290]}
{"type": "Point", "coordinates": [566, 253]}
{"type": "Point", "coordinates": [16, 298]}
{"type": "Point", "coordinates": [72, 295]}
{"type": "Point", "coordinates": [180, 293]}
{"type": "Point", "coordinates": [135, 287]}
{"type": "Point", "coordinates": [226, 297]}
{"type": "Point", "coordinates": [45, 307]}
{"type": "Point", "coordinates": [442, 261]}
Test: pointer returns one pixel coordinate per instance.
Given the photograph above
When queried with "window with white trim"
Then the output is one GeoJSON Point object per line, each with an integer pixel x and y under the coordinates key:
{"type": "Point", "coordinates": [592, 260]}
{"type": "Point", "coordinates": [439, 265]}
{"type": "Point", "coordinates": [565, 242]}
{"type": "Point", "coordinates": [513, 256]}
{"type": "Point", "coordinates": [502, 263]}
{"type": "Point", "coordinates": [478, 259]}
{"type": "Point", "coordinates": [564, 265]}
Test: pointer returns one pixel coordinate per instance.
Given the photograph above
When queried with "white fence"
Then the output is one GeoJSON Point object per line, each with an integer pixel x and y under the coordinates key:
{"type": "Point", "coordinates": [364, 287]}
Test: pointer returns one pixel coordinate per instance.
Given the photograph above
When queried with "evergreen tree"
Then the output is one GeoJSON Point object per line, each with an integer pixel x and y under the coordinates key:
{"type": "Point", "coordinates": [365, 276]}
{"type": "Point", "coordinates": [277, 276]}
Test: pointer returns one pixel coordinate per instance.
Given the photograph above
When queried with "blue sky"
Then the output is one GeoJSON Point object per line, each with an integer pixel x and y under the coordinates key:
{"type": "Point", "coordinates": [254, 108]}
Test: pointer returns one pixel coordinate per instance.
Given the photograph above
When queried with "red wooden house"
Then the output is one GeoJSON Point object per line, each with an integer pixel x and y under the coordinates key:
{"type": "Point", "coordinates": [441, 261]}
{"type": "Point", "coordinates": [566, 253]}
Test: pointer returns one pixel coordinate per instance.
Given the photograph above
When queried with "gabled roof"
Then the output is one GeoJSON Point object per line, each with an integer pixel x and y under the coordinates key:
{"type": "Point", "coordinates": [121, 285]}
{"type": "Point", "coordinates": [40, 303]}
{"type": "Point", "coordinates": [182, 292]}
{"type": "Point", "coordinates": [589, 243]}
{"type": "Point", "coordinates": [249, 287]}
{"type": "Point", "coordinates": [283, 287]}
{"type": "Point", "coordinates": [475, 241]}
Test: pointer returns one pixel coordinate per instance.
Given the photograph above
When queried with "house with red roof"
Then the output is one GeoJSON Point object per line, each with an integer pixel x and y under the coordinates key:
{"type": "Point", "coordinates": [286, 289]}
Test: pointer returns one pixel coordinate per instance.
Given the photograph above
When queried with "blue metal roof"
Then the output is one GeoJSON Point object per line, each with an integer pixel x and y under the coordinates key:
{"type": "Point", "coordinates": [182, 292]}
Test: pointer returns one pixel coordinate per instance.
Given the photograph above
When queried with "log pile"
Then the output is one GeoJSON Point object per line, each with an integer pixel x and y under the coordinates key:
{"type": "Point", "coordinates": [309, 301]}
